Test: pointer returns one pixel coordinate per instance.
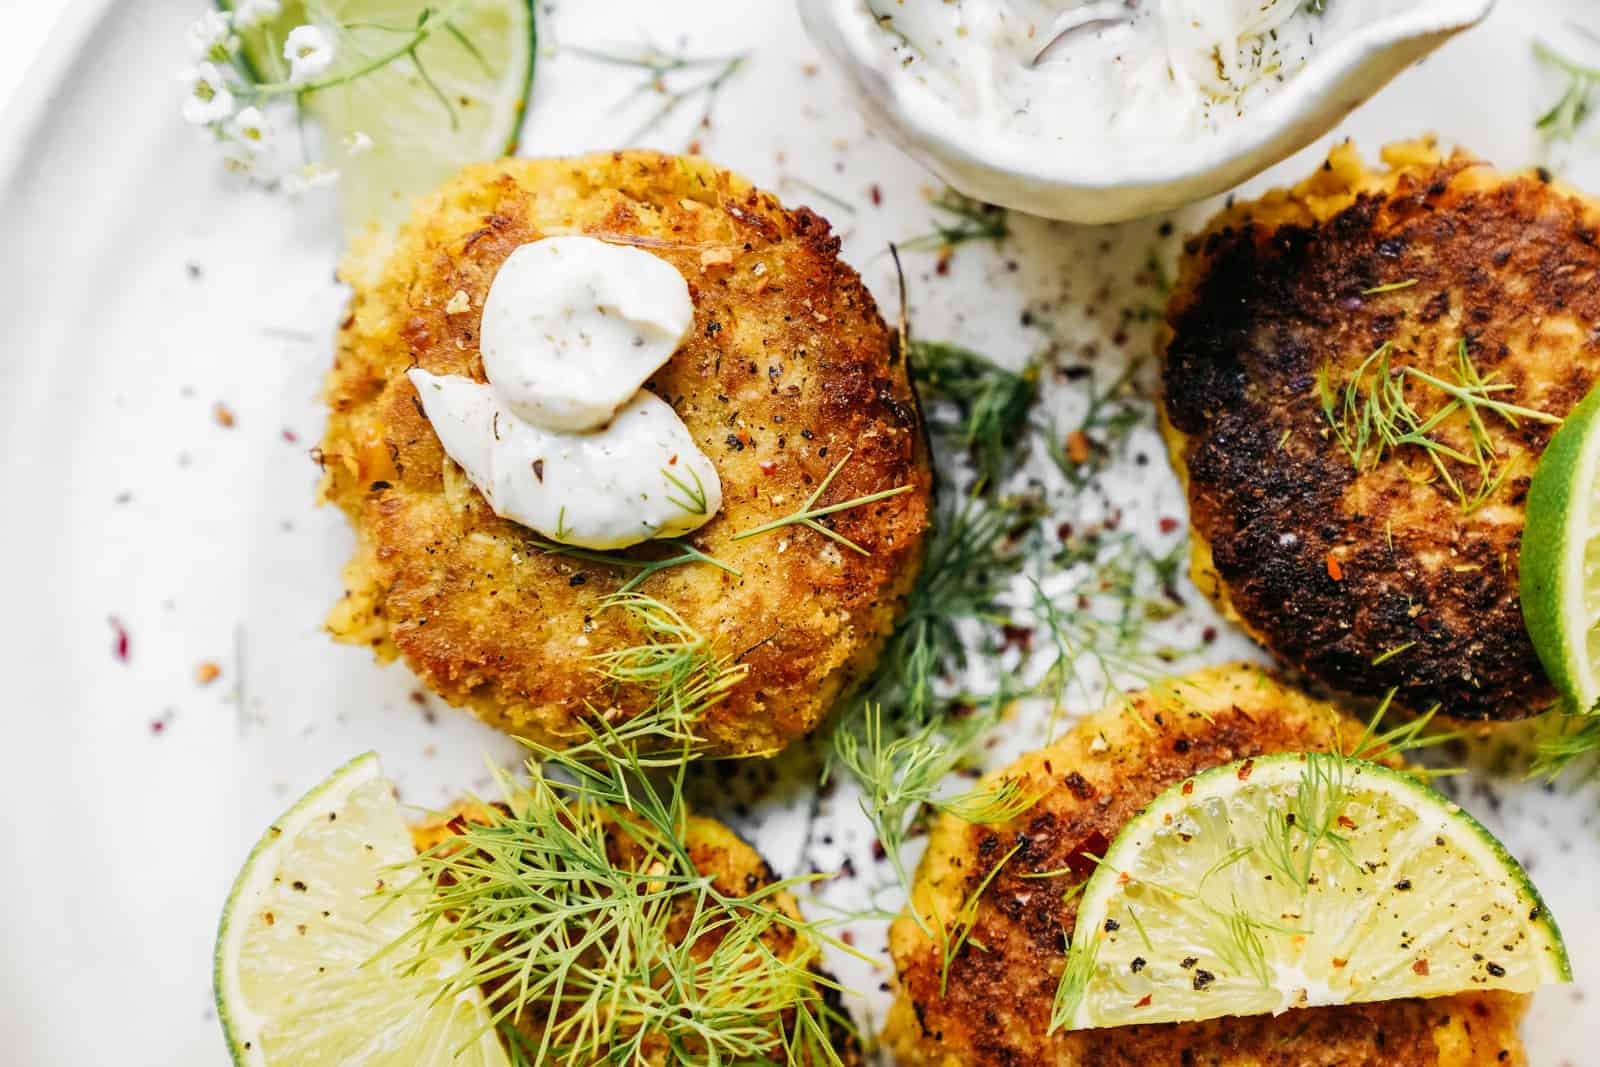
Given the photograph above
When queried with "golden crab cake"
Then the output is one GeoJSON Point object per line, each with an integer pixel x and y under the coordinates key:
{"type": "Point", "coordinates": [1306, 326]}
{"type": "Point", "coordinates": [789, 372]}
{"type": "Point", "coordinates": [995, 1007]}
{"type": "Point", "coordinates": [732, 865]}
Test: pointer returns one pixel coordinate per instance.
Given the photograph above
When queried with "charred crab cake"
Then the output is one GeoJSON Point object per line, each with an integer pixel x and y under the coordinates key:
{"type": "Point", "coordinates": [1360, 375]}
{"type": "Point", "coordinates": [787, 375]}
{"type": "Point", "coordinates": [994, 1008]}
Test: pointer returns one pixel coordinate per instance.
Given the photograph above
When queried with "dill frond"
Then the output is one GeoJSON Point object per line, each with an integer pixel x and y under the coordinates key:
{"type": "Point", "coordinates": [1293, 837]}
{"type": "Point", "coordinates": [1112, 413]}
{"type": "Point", "coordinates": [679, 79]}
{"type": "Point", "coordinates": [1372, 417]}
{"type": "Point", "coordinates": [1074, 983]}
{"type": "Point", "coordinates": [643, 569]}
{"type": "Point", "coordinates": [955, 937]}
{"type": "Point", "coordinates": [991, 403]}
{"type": "Point", "coordinates": [583, 914]}
{"type": "Point", "coordinates": [964, 219]}
{"type": "Point", "coordinates": [808, 513]}
{"type": "Point", "coordinates": [1575, 741]}
{"type": "Point", "coordinates": [900, 775]}
{"type": "Point", "coordinates": [675, 671]}
{"type": "Point", "coordinates": [1571, 110]}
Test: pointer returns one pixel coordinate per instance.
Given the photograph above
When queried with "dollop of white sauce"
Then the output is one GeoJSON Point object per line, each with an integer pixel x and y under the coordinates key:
{"type": "Point", "coordinates": [572, 327]}
{"type": "Point", "coordinates": [1122, 76]}
{"type": "Point", "coordinates": [637, 477]}
{"type": "Point", "coordinates": [564, 438]}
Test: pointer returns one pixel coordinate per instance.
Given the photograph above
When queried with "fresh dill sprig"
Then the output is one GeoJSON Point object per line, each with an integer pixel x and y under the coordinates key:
{"type": "Point", "coordinates": [991, 403]}
{"type": "Point", "coordinates": [694, 501]}
{"type": "Point", "coordinates": [1563, 119]}
{"type": "Point", "coordinates": [971, 557]}
{"type": "Point", "coordinates": [643, 568]}
{"type": "Point", "coordinates": [1112, 412]}
{"type": "Point", "coordinates": [1312, 819]}
{"type": "Point", "coordinates": [808, 513]}
{"type": "Point", "coordinates": [1074, 982]}
{"type": "Point", "coordinates": [662, 71]}
{"type": "Point", "coordinates": [958, 935]}
{"type": "Point", "coordinates": [1372, 418]}
{"type": "Point", "coordinates": [582, 911]}
{"type": "Point", "coordinates": [676, 673]}
{"type": "Point", "coordinates": [900, 775]}
{"type": "Point", "coordinates": [1392, 287]}
{"type": "Point", "coordinates": [1574, 741]}
{"type": "Point", "coordinates": [965, 220]}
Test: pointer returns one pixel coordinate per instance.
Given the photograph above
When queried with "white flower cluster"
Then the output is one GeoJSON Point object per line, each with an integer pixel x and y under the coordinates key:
{"type": "Point", "coordinates": [247, 116]}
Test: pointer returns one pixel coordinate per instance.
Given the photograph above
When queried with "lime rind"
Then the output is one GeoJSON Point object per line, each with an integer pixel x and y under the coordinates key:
{"type": "Point", "coordinates": [230, 1002]}
{"type": "Point", "coordinates": [297, 974]}
{"type": "Point", "coordinates": [1163, 951]}
{"type": "Point", "coordinates": [1560, 560]}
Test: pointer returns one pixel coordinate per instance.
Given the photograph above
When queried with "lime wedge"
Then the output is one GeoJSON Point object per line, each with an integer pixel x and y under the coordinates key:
{"type": "Point", "coordinates": [413, 117]}
{"type": "Point", "coordinates": [1217, 901]}
{"type": "Point", "coordinates": [296, 978]}
{"type": "Point", "coordinates": [1560, 566]}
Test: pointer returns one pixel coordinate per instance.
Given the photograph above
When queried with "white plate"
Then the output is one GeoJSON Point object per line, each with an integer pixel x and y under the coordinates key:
{"type": "Point", "coordinates": [140, 287]}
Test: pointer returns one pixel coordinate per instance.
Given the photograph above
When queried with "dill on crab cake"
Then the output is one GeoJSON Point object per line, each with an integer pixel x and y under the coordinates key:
{"type": "Point", "coordinates": [778, 444]}
{"type": "Point", "coordinates": [585, 916]}
{"type": "Point", "coordinates": [1360, 375]}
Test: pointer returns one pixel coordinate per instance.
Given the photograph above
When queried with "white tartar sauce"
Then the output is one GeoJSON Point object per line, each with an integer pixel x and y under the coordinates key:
{"type": "Point", "coordinates": [563, 438]}
{"type": "Point", "coordinates": [573, 326]}
{"type": "Point", "coordinates": [1127, 76]}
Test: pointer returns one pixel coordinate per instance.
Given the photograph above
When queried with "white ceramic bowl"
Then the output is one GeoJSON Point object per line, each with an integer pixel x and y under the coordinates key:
{"type": "Point", "coordinates": [1363, 44]}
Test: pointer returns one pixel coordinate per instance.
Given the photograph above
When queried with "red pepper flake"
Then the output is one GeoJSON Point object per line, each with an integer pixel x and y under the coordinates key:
{"type": "Point", "coordinates": [1168, 524]}
{"type": "Point", "coordinates": [1144, 1001]}
{"type": "Point", "coordinates": [223, 415]}
{"type": "Point", "coordinates": [1347, 822]}
{"type": "Point", "coordinates": [1420, 967]}
{"type": "Point", "coordinates": [1078, 447]}
{"type": "Point", "coordinates": [1335, 571]}
{"type": "Point", "coordinates": [290, 436]}
{"type": "Point", "coordinates": [673, 462]}
{"type": "Point", "coordinates": [207, 673]}
{"type": "Point", "coordinates": [1188, 787]}
{"type": "Point", "coordinates": [767, 467]}
{"type": "Point", "coordinates": [1338, 963]}
{"type": "Point", "coordinates": [157, 725]}
{"type": "Point", "coordinates": [876, 194]}
{"type": "Point", "coordinates": [1245, 768]}
{"type": "Point", "coordinates": [119, 642]}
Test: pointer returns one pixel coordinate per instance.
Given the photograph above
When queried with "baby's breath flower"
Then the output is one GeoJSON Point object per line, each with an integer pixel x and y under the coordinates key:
{"type": "Point", "coordinates": [248, 13]}
{"type": "Point", "coordinates": [357, 143]}
{"type": "Point", "coordinates": [309, 177]}
{"type": "Point", "coordinates": [211, 36]}
{"type": "Point", "coordinates": [309, 52]}
{"type": "Point", "coordinates": [209, 98]}
{"type": "Point", "coordinates": [251, 129]}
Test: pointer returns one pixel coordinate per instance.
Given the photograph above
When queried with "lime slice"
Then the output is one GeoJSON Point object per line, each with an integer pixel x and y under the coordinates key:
{"type": "Point", "coordinates": [1214, 901]}
{"type": "Point", "coordinates": [296, 978]}
{"type": "Point", "coordinates": [1560, 567]}
{"type": "Point", "coordinates": [458, 99]}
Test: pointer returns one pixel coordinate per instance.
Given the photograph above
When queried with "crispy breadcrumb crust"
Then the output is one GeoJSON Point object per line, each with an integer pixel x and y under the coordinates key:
{"type": "Point", "coordinates": [995, 1011]}
{"type": "Point", "coordinates": [1328, 568]}
{"type": "Point", "coordinates": [789, 370]}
